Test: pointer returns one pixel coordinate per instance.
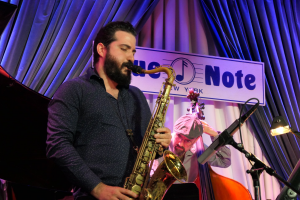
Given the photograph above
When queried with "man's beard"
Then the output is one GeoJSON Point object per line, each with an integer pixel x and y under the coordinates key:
{"type": "Point", "coordinates": [114, 72]}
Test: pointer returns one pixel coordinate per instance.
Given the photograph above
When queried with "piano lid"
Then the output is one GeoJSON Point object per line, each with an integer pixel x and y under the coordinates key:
{"type": "Point", "coordinates": [23, 132]}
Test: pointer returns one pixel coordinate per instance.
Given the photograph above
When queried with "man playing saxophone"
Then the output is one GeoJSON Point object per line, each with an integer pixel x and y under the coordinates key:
{"type": "Point", "coordinates": [97, 120]}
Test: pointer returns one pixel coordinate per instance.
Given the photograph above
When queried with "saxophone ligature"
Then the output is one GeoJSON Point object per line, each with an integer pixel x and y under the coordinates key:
{"type": "Point", "coordinates": [171, 169]}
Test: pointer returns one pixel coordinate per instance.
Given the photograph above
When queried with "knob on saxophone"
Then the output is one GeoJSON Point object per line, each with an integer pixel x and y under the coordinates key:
{"type": "Point", "coordinates": [171, 169]}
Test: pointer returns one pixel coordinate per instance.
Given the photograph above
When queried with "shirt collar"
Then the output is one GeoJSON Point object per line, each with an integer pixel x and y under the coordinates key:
{"type": "Point", "coordinates": [189, 153]}
{"type": "Point", "coordinates": [91, 72]}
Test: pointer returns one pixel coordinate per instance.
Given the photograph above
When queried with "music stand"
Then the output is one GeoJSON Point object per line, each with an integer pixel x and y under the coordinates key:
{"type": "Point", "coordinates": [186, 191]}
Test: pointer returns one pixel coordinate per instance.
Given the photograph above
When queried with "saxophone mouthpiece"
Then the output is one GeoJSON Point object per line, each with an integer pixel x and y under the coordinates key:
{"type": "Point", "coordinates": [134, 68]}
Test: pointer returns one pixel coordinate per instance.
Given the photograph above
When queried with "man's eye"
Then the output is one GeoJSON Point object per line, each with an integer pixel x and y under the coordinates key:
{"type": "Point", "coordinates": [123, 49]}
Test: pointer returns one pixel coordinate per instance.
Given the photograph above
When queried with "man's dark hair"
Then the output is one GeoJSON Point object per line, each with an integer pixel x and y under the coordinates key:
{"type": "Point", "coordinates": [106, 35]}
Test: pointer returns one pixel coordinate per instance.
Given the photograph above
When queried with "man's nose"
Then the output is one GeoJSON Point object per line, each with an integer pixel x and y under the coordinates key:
{"type": "Point", "coordinates": [180, 143]}
{"type": "Point", "coordinates": [130, 57]}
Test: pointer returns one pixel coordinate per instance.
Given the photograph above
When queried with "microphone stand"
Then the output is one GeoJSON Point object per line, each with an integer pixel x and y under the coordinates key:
{"type": "Point", "coordinates": [257, 168]}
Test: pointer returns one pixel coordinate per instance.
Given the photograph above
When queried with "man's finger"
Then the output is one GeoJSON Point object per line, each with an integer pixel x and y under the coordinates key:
{"type": "Point", "coordinates": [160, 140]}
{"type": "Point", "coordinates": [162, 136]}
{"type": "Point", "coordinates": [163, 142]}
{"type": "Point", "coordinates": [163, 130]}
{"type": "Point", "coordinates": [128, 193]}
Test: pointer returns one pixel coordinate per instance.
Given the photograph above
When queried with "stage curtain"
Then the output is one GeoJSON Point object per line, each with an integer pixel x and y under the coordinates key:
{"type": "Point", "coordinates": [50, 41]}
{"type": "Point", "coordinates": [265, 31]}
{"type": "Point", "coordinates": [177, 25]}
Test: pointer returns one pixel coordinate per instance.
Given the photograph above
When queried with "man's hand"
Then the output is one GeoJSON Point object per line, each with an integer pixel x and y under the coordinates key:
{"type": "Point", "coordinates": [164, 138]}
{"type": "Point", "coordinates": [208, 129]}
{"type": "Point", "coordinates": [105, 192]}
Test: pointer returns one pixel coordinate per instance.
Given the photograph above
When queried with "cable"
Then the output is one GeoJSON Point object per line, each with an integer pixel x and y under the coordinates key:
{"type": "Point", "coordinates": [241, 116]}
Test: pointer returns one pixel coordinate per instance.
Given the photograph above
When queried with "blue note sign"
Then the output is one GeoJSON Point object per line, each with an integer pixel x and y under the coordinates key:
{"type": "Point", "coordinates": [212, 76]}
{"type": "Point", "coordinates": [215, 78]}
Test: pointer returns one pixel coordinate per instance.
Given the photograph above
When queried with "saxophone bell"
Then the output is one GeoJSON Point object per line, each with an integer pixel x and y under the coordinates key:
{"type": "Point", "coordinates": [168, 171]}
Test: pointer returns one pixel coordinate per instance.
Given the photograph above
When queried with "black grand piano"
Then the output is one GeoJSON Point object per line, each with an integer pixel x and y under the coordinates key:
{"type": "Point", "coordinates": [23, 123]}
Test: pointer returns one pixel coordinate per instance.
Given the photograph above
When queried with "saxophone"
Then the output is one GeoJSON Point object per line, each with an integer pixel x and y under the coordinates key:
{"type": "Point", "coordinates": [171, 169]}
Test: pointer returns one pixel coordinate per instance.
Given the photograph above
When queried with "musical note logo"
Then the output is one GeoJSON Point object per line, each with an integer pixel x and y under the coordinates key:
{"type": "Point", "coordinates": [185, 70]}
{"type": "Point", "coordinates": [181, 77]}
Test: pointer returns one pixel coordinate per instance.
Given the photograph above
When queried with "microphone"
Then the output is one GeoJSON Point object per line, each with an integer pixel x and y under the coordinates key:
{"type": "Point", "coordinates": [235, 125]}
{"type": "Point", "coordinates": [225, 137]}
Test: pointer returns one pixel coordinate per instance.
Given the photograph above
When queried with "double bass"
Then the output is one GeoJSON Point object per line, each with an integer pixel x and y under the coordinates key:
{"type": "Point", "coordinates": [211, 185]}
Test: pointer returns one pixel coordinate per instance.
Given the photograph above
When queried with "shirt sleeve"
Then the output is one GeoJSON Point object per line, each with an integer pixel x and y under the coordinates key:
{"type": "Point", "coordinates": [222, 158]}
{"type": "Point", "coordinates": [63, 114]}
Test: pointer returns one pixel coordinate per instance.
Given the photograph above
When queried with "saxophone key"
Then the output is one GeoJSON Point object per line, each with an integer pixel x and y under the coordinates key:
{"type": "Point", "coordinates": [149, 145]}
{"type": "Point", "coordinates": [151, 138]}
{"type": "Point", "coordinates": [152, 133]}
{"type": "Point", "coordinates": [136, 189]}
{"type": "Point", "coordinates": [146, 156]}
{"type": "Point", "coordinates": [139, 179]}
{"type": "Point", "coordinates": [142, 168]}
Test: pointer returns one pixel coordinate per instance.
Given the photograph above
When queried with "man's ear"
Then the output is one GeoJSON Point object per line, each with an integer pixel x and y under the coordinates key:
{"type": "Point", "coordinates": [101, 49]}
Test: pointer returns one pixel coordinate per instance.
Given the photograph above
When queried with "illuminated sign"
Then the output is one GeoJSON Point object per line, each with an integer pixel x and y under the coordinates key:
{"type": "Point", "coordinates": [215, 78]}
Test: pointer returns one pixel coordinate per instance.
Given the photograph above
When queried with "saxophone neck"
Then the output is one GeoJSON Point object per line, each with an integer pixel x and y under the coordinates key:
{"type": "Point", "coordinates": [163, 68]}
